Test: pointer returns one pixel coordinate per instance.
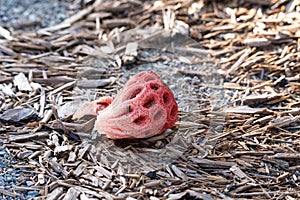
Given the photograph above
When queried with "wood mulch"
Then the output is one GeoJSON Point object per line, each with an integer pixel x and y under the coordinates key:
{"type": "Point", "coordinates": [247, 146]}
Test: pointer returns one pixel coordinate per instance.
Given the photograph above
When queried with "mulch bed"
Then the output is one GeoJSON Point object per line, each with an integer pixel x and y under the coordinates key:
{"type": "Point", "coordinates": [237, 82]}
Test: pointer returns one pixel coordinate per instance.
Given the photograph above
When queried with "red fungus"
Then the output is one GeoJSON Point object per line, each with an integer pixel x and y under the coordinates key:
{"type": "Point", "coordinates": [145, 107]}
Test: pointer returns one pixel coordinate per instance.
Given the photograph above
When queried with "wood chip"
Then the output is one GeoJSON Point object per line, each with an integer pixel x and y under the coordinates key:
{"type": "Point", "coordinates": [247, 110]}
{"type": "Point", "coordinates": [55, 194]}
{"type": "Point", "coordinates": [72, 193]}
{"type": "Point", "coordinates": [5, 33]}
{"type": "Point", "coordinates": [22, 83]}
{"type": "Point", "coordinates": [27, 136]}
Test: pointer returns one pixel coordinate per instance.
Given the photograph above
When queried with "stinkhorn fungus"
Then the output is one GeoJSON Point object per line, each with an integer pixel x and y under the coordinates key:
{"type": "Point", "coordinates": [145, 107]}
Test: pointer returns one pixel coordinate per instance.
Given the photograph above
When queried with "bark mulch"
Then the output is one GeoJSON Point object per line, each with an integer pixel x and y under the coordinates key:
{"type": "Point", "coordinates": [235, 71]}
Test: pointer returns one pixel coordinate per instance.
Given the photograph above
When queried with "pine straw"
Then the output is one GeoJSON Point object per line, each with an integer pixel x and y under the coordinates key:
{"type": "Point", "coordinates": [255, 46]}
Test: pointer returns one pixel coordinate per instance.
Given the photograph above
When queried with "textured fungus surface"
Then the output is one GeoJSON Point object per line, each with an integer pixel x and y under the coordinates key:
{"type": "Point", "coordinates": [145, 107]}
{"type": "Point", "coordinates": [92, 108]}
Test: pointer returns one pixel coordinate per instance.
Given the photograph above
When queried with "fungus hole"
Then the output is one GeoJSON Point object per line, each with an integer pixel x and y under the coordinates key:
{"type": "Point", "coordinates": [149, 102]}
{"type": "Point", "coordinates": [135, 93]}
{"type": "Point", "coordinates": [154, 86]}
{"type": "Point", "coordinates": [166, 98]}
{"type": "Point", "coordinates": [157, 115]}
{"type": "Point", "coordinates": [141, 120]}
